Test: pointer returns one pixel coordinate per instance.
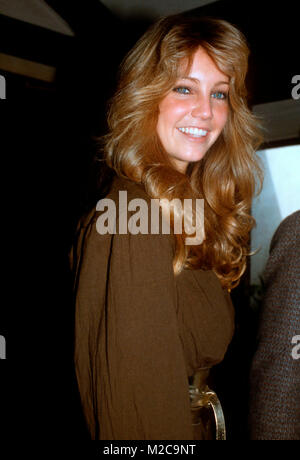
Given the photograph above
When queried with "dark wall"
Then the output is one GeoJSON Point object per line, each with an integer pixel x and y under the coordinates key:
{"type": "Point", "coordinates": [272, 31]}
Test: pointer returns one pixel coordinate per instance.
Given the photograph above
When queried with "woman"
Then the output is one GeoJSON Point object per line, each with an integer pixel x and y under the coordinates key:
{"type": "Point", "coordinates": [151, 308]}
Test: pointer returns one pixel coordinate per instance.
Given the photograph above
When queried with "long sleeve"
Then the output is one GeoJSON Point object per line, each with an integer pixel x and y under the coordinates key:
{"type": "Point", "coordinates": [129, 359]}
{"type": "Point", "coordinates": [275, 374]}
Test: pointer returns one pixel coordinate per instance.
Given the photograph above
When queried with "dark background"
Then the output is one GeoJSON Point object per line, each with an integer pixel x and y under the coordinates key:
{"type": "Point", "coordinates": [49, 178]}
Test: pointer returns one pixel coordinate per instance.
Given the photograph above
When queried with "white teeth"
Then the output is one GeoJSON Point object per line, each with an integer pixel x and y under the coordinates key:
{"type": "Point", "coordinates": [194, 131]}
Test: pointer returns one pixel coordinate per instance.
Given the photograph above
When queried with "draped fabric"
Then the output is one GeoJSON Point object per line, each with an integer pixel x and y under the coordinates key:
{"type": "Point", "coordinates": [140, 332]}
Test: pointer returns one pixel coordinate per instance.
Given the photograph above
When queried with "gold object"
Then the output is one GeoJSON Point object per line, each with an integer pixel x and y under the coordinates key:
{"type": "Point", "coordinates": [204, 404]}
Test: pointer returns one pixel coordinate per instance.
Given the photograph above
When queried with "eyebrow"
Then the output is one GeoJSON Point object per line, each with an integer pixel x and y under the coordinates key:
{"type": "Point", "coordinates": [197, 81]}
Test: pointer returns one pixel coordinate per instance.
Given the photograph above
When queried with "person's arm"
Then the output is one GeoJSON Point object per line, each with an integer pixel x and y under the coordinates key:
{"type": "Point", "coordinates": [275, 375]}
{"type": "Point", "coordinates": [129, 358]}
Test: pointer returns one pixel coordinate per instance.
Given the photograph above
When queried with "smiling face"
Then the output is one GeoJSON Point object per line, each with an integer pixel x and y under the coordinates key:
{"type": "Point", "coordinates": [193, 114]}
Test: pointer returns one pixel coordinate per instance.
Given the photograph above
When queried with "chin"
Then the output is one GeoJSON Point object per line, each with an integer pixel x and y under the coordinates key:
{"type": "Point", "coordinates": [196, 157]}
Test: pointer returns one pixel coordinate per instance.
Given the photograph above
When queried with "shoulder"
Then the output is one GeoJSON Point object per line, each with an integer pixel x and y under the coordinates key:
{"type": "Point", "coordinates": [288, 232]}
{"type": "Point", "coordinates": [124, 197]}
{"type": "Point", "coordinates": [126, 216]}
{"type": "Point", "coordinates": [282, 272]}
{"type": "Point", "coordinates": [122, 191]}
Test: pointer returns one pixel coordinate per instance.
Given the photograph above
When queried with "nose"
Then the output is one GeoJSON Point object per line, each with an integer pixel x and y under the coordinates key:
{"type": "Point", "coordinates": [202, 108]}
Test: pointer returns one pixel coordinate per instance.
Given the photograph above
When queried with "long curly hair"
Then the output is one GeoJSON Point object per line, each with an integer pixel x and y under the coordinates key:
{"type": "Point", "coordinates": [227, 176]}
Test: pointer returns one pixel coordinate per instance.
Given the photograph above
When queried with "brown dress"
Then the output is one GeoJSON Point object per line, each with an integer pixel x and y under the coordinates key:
{"type": "Point", "coordinates": [140, 332]}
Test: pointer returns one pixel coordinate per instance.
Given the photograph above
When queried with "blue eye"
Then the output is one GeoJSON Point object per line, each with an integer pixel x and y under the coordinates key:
{"type": "Point", "coordinates": [182, 90]}
{"type": "Point", "coordinates": [219, 95]}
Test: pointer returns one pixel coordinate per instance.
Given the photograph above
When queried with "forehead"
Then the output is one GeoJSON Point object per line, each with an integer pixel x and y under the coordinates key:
{"type": "Point", "coordinates": [201, 66]}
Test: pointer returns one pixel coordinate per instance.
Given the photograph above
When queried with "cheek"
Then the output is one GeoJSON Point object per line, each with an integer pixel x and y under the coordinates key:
{"type": "Point", "coordinates": [222, 116]}
{"type": "Point", "coordinates": [171, 111]}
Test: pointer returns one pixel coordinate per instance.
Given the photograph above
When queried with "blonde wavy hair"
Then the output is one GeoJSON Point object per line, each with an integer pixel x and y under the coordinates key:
{"type": "Point", "coordinates": [226, 177]}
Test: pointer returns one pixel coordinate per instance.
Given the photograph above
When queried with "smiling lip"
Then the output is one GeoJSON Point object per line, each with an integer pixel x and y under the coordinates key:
{"type": "Point", "coordinates": [193, 132]}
